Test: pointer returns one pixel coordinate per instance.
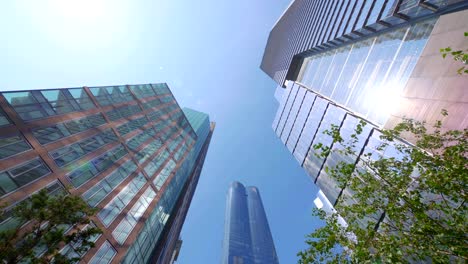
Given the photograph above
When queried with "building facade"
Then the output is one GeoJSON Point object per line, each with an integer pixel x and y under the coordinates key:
{"type": "Point", "coordinates": [247, 236]}
{"type": "Point", "coordinates": [343, 62]}
{"type": "Point", "coordinates": [313, 26]}
{"type": "Point", "coordinates": [128, 150]}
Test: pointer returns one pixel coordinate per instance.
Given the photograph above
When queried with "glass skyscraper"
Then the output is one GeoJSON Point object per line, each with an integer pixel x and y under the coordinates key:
{"type": "Point", "coordinates": [128, 150]}
{"type": "Point", "coordinates": [340, 62]}
{"type": "Point", "coordinates": [247, 236]}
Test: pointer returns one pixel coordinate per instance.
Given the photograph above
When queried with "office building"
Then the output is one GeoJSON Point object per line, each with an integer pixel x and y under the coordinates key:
{"type": "Point", "coordinates": [128, 150]}
{"type": "Point", "coordinates": [340, 62]}
{"type": "Point", "coordinates": [247, 236]}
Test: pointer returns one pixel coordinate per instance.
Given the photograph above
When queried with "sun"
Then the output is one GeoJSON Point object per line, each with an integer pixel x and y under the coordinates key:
{"type": "Point", "coordinates": [78, 24]}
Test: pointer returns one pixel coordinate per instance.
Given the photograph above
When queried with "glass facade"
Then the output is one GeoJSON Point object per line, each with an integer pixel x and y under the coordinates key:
{"type": "Point", "coordinates": [116, 146]}
{"type": "Point", "coordinates": [247, 236]}
{"type": "Point", "coordinates": [345, 62]}
{"type": "Point", "coordinates": [199, 130]}
{"type": "Point", "coordinates": [365, 75]}
{"type": "Point", "coordinates": [314, 26]}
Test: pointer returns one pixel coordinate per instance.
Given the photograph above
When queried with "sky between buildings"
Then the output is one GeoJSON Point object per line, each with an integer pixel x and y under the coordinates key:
{"type": "Point", "coordinates": [209, 52]}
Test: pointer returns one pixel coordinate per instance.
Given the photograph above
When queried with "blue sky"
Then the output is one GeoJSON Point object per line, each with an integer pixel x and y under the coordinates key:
{"type": "Point", "coordinates": [209, 52]}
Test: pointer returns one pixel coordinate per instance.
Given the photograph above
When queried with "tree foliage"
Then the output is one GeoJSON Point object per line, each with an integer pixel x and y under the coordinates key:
{"type": "Point", "coordinates": [407, 207]}
{"type": "Point", "coordinates": [51, 222]}
{"type": "Point", "coordinates": [458, 55]}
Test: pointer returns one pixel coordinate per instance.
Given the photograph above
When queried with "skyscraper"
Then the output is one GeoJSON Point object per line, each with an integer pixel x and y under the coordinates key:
{"type": "Point", "coordinates": [340, 62]}
{"type": "Point", "coordinates": [247, 236]}
{"type": "Point", "coordinates": [128, 150]}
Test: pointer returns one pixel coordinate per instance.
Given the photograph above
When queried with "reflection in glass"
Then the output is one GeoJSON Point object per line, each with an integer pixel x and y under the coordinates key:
{"type": "Point", "coordinates": [368, 76]}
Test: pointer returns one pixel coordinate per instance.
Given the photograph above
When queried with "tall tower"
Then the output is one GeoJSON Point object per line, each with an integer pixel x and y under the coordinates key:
{"type": "Point", "coordinates": [129, 150]}
{"type": "Point", "coordinates": [343, 62]}
{"type": "Point", "coordinates": [247, 236]}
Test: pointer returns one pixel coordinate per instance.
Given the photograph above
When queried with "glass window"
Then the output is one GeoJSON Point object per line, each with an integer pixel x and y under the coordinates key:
{"type": "Point", "coordinates": [105, 254]}
{"type": "Point", "coordinates": [39, 104]}
{"type": "Point", "coordinates": [378, 5]}
{"type": "Point", "coordinates": [12, 145]}
{"type": "Point", "coordinates": [99, 191]}
{"type": "Point", "coordinates": [53, 133]}
{"type": "Point", "coordinates": [164, 174]}
{"type": "Point", "coordinates": [346, 18]}
{"type": "Point", "coordinates": [300, 121]}
{"type": "Point", "coordinates": [59, 101]}
{"type": "Point", "coordinates": [161, 88]}
{"type": "Point", "coordinates": [286, 110]}
{"type": "Point", "coordinates": [108, 214]}
{"type": "Point", "coordinates": [95, 166]}
{"type": "Point", "coordinates": [333, 116]}
{"type": "Point", "coordinates": [293, 114]}
{"type": "Point", "coordinates": [142, 91]}
{"type": "Point", "coordinates": [111, 95]}
{"type": "Point", "coordinates": [21, 175]}
{"type": "Point", "coordinates": [132, 125]}
{"type": "Point", "coordinates": [123, 112]}
{"type": "Point", "coordinates": [305, 139]}
{"type": "Point", "coordinates": [125, 227]}
{"type": "Point", "coordinates": [7, 222]}
{"type": "Point", "coordinates": [143, 154]}
{"type": "Point", "coordinates": [81, 98]}
{"type": "Point", "coordinates": [26, 105]}
{"type": "Point", "coordinates": [65, 155]}
{"type": "Point", "coordinates": [3, 118]}
{"type": "Point", "coordinates": [50, 134]}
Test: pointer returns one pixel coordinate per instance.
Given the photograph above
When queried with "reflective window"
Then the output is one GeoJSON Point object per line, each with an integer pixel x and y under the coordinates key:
{"type": "Point", "coordinates": [65, 155]}
{"type": "Point", "coordinates": [300, 121]}
{"type": "Point", "coordinates": [39, 104]}
{"type": "Point", "coordinates": [367, 76]}
{"type": "Point", "coordinates": [3, 118]}
{"type": "Point", "coordinates": [339, 20]}
{"type": "Point", "coordinates": [111, 95]}
{"type": "Point", "coordinates": [142, 91]}
{"type": "Point", "coordinates": [8, 222]}
{"type": "Point", "coordinates": [293, 114]}
{"type": "Point", "coordinates": [153, 147]}
{"type": "Point", "coordinates": [81, 98]}
{"type": "Point", "coordinates": [327, 183]}
{"type": "Point", "coordinates": [286, 110]}
{"type": "Point", "coordinates": [121, 200]}
{"type": "Point", "coordinates": [71, 251]}
{"type": "Point", "coordinates": [152, 103]}
{"type": "Point", "coordinates": [281, 108]}
{"type": "Point", "coordinates": [164, 174]}
{"type": "Point", "coordinates": [310, 128]}
{"type": "Point", "coordinates": [27, 106]}
{"type": "Point", "coordinates": [156, 163]}
{"type": "Point", "coordinates": [365, 11]}
{"type": "Point", "coordinates": [58, 131]}
{"type": "Point", "coordinates": [313, 163]}
{"type": "Point", "coordinates": [346, 18]}
{"type": "Point", "coordinates": [21, 175]}
{"type": "Point", "coordinates": [136, 141]}
{"type": "Point", "coordinates": [58, 101]}
{"type": "Point", "coordinates": [125, 227]}
{"type": "Point", "coordinates": [96, 166]}
{"type": "Point", "coordinates": [161, 88]}
{"type": "Point", "coordinates": [132, 125]}
{"type": "Point", "coordinates": [378, 5]}
{"type": "Point", "coordinates": [123, 112]}
{"type": "Point", "coordinates": [99, 191]}
{"type": "Point", "coordinates": [354, 16]}
{"type": "Point", "coordinates": [105, 254]}
{"type": "Point", "coordinates": [12, 145]}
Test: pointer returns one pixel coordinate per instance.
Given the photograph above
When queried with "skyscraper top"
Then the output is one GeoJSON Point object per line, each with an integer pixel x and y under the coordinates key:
{"type": "Point", "coordinates": [247, 236]}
